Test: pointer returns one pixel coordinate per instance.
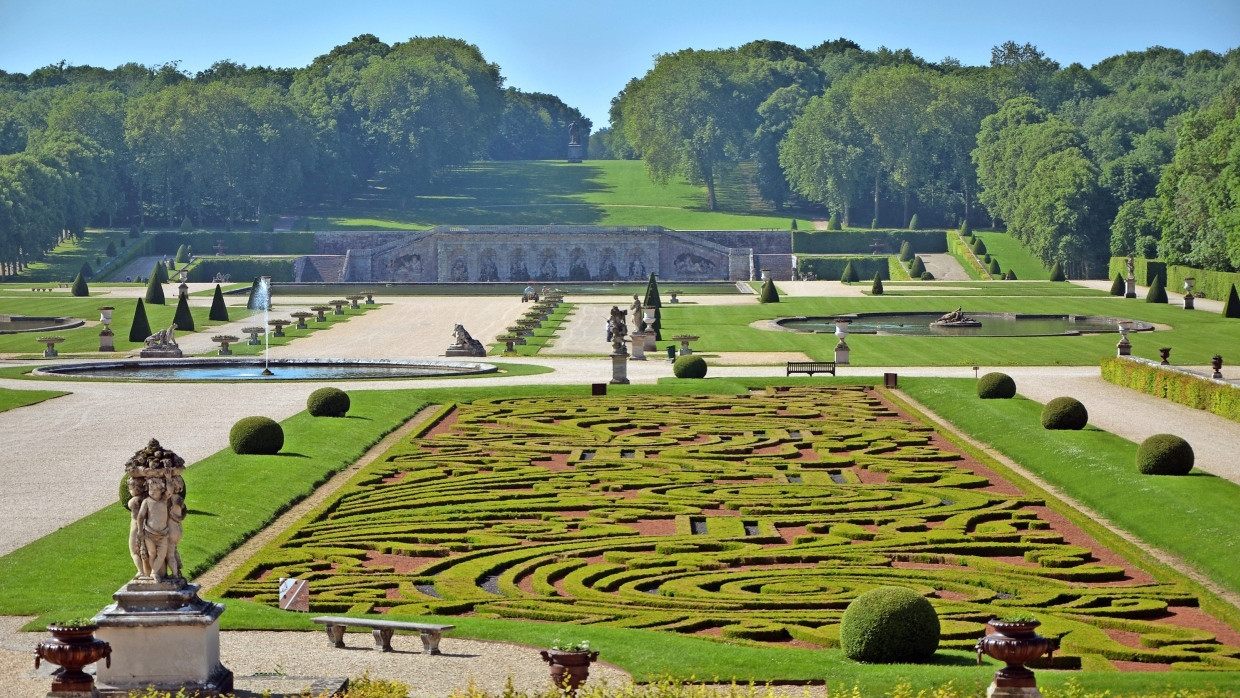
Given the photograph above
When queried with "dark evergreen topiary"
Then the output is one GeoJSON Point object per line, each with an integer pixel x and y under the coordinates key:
{"type": "Point", "coordinates": [1157, 292]}
{"type": "Point", "coordinates": [794, 224]}
{"type": "Point", "coordinates": [182, 254]}
{"type": "Point", "coordinates": [1065, 413]}
{"type": "Point", "coordinates": [979, 247]}
{"type": "Point", "coordinates": [996, 386]}
{"type": "Point", "coordinates": [917, 268]}
{"type": "Point", "coordinates": [187, 226]}
{"type": "Point", "coordinates": [768, 294]}
{"type": "Point", "coordinates": [965, 229]}
{"type": "Point", "coordinates": [1231, 307]}
{"type": "Point", "coordinates": [256, 436]}
{"type": "Point", "coordinates": [993, 267]}
{"type": "Point", "coordinates": [926, 276]}
{"type": "Point", "coordinates": [133, 231]}
{"type": "Point", "coordinates": [154, 291]}
{"type": "Point", "coordinates": [111, 249]}
{"type": "Point", "coordinates": [328, 402]}
{"type": "Point", "coordinates": [1057, 273]}
{"type": "Point", "coordinates": [140, 329]}
{"type": "Point", "coordinates": [834, 222]}
{"type": "Point", "coordinates": [906, 251]}
{"type": "Point", "coordinates": [1165, 454]}
{"type": "Point", "coordinates": [1118, 286]}
{"type": "Point", "coordinates": [182, 317]}
{"type": "Point", "coordinates": [914, 223]}
{"type": "Point", "coordinates": [219, 311]}
{"type": "Point", "coordinates": [1010, 275]}
{"type": "Point", "coordinates": [876, 289]}
{"type": "Point", "coordinates": [160, 271]}
{"type": "Point", "coordinates": [652, 300]}
{"type": "Point", "coordinates": [86, 271]}
{"type": "Point", "coordinates": [691, 366]}
{"type": "Point", "coordinates": [79, 286]}
{"type": "Point", "coordinates": [849, 274]}
{"type": "Point", "coordinates": [889, 625]}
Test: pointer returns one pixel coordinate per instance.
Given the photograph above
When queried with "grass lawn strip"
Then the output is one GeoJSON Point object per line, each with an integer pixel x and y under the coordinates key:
{"type": "Point", "coordinates": [1196, 516]}
{"type": "Point", "coordinates": [526, 541]}
{"type": "Point", "coordinates": [12, 399]}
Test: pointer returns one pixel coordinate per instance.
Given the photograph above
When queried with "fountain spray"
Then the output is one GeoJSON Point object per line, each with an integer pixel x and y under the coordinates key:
{"type": "Point", "coordinates": [264, 298]}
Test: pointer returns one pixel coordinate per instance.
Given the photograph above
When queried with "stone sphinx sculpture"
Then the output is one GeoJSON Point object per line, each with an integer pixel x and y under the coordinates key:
{"type": "Point", "coordinates": [463, 344]}
{"type": "Point", "coordinates": [955, 318]}
{"type": "Point", "coordinates": [162, 344]}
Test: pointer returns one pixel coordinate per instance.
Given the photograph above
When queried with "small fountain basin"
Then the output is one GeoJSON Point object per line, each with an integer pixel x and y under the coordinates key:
{"type": "Point", "coordinates": [12, 324]}
{"type": "Point", "coordinates": [244, 369]}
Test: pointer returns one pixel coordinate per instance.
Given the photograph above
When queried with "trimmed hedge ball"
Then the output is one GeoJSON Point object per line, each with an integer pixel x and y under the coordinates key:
{"type": "Point", "coordinates": [996, 386]}
{"type": "Point", "coordinates": [691, 366]}
{"type": "Point", "coordinates": [888, 625]}
{"type": "Point", "coordinates": [1065, 413]}
{"type": "Point", "coordinates": [328, 402]}
{"type": "Point", "coordinates": [256, 436]}
{"type": "Point", "coordinates": [1165, 454]}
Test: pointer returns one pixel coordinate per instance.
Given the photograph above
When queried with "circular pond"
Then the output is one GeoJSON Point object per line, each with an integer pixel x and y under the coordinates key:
{"type": "Point", "coordinates": [252, 369]}
{"type": "Point", "coordinates": [991, 324]}
{"type": "Point", "coordinates": [12, 324]}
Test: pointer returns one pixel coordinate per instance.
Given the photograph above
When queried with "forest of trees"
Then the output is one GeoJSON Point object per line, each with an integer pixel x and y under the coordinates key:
{"type": "Point", "coordinates": [139, 145]}
{"type": "Point", "coordinates": [1138, 154]}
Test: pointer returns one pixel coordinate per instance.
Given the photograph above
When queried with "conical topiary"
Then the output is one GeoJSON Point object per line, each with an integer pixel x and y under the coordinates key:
{"type": "Point", "coordinates": [1157, 292]}
{"type": "Point", "coordinates": [993, 267]}
{"type": "Point", "coordinates": [794, 224]}
{"type": "Point", "coordinates": [876, 289]}
{"type": "Point", "coordinates": [917, 268]}
{"type": "Point", "coordinates": [86, 271]}
{"type": "Point", "coordinates": [154, 291]}
{"type": "Point", "coordinates": [182, 317]}
{"type": "Point", "coordinates": [1010, 275]}
{"type": "Point", "coordinates": [182, 254]}
{"type": "Point", "coordinates": [652, 300]}
{"type": "Point", "coordinates": [1057, 273]}
{"type": "Point", "coordinates": [160, 272]}
{"type": "Point", "coordinates": [979, 247]}
{"type": "Point", "coordinates": [768, 294]}
{"type": "Point", "coordinates": [914, 223]}
{"type": "Point", "coordinates": [111, 249]}
{"type": "Point", "coordinates": [906, 251]}
{"type": "Point", "coordinates": [1117, 286]}
{"type": "Point", "coordinates": [1231, 307]}
{"type": "Point", "coordinates": [834, 222]}
{"type": "Point", "coordinates": [849, 275]}
{"type": "Point", "coordinates": [219, 311]}
{"type": "Point", "coordinates": [141, 327]}
{"type": "Point", "coordinates": [187, 226]}
{"type": "Point", "coordinates": [965, 229]}
{"type": "Point", "coordinates": [79, 286]}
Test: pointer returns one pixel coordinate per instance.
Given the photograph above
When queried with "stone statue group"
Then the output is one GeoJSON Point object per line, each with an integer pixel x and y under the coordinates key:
{"type": "Point", "coordinates": [157, 509]}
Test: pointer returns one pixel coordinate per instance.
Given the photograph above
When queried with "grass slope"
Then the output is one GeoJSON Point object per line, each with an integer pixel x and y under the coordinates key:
{"type": "Point", "coordinates": [1012, 255]}
{"type": "Point", "coordinates": [1196, 515]}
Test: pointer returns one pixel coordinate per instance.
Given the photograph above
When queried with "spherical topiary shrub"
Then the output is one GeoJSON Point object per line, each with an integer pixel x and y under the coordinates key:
{"type": "Point", "coordinates": [1164, 454]}
{"type": "Point", "coordinates": [691, 366]}
{"type": "Point", "coordinates": [996, 386]}
{"type": "Point", "coordinates": [256, 435]}
{"type": "Point", "coordinates": [328, 402]}
{"type": "Point", "coordinates": [889, 624]}
{"type": "Point", "coordinates": [1065, 413]}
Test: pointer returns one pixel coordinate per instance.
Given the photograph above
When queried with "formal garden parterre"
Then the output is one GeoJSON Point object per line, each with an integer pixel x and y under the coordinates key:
{"type": "Point", "coordinates": [754, 518]}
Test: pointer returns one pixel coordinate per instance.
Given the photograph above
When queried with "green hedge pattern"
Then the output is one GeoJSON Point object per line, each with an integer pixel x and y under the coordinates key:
{"type": "Point", "coordinates": [862, 241]}
{"type": "Point", "coordinates": [1178, 386]}
{"type": "Point", "coordinates": [758, 517]}
{"type": "Point", "coordinates": [235, 243]}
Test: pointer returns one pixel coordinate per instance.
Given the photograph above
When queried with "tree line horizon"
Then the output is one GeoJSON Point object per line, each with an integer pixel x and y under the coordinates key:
{"type": "Point", "coordinates": [1138, 154]}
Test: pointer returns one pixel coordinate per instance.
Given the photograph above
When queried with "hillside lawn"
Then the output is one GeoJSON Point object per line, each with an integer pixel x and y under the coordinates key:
{"type": "Point", "coordinates": [1011, 255]}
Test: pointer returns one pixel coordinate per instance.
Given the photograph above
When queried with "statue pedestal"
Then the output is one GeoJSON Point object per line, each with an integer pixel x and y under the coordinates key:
{"type": "Point", "coordinates": [164, 352]}
{"type": "Point", "coordinates": [1013, 692]}
{"type": "Point", "coordinates": [841, 354]}
{"type": "Point", "coordinates": [638, 342]}
{"type": "Point", "coordinates": [1130, 288]}
{"type": "Point", "coordinates": [163, 635]}
{"type": "Point", "coordinates": [619, 369]}
{"type": "Point", "coordinates": [107, 340]}
{"type": "Point", "coordinates": [474, 350]}
{"type": "Point", "coordinates": [576, 152]}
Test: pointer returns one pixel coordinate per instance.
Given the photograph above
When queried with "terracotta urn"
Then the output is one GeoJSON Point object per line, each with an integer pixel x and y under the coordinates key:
{"type": "Point", "coordinates": [569, 669]}
{"type": "Point", "coordinates": [71, 648]}
{"type": "Point", "coordinates": [1014, 643]}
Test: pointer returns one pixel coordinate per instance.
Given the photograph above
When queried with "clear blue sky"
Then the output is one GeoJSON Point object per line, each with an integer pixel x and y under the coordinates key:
{"type": "Point", "coordinates": [585, 52]}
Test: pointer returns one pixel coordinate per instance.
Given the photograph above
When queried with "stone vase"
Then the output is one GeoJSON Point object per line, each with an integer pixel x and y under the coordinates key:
{"type": "Point", "coordinates": [569, 669]}
{"type": "Point", "coordinates": [1014, 643]}
{"type": "Point", "coordinates": [71, 648]}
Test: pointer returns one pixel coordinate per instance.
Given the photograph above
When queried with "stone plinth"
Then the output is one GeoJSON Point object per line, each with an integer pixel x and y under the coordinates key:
{"type": "Point", "coordinates": [1130, 288]}
{"type": "Point", "coordinates": [162, 635]}
{"type": "Point", "coordinates": [638, 342]}
{"type": "Point", "coordinates": [576, 152]}
{"type": "Point", "coordinates": [161, 352]}
{"type": "Point", "coordinates": [841, 354]}
{"type": "Point", "coordinates": [620, 369]}
{"type": "Point", "coordinates": [107, 340]}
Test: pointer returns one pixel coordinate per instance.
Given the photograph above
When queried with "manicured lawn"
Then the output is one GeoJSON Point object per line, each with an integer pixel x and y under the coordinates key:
{"type": "Point", "coordinates": [63, 263]}
{"type": "Point", "coordinates": [12, 399]}
{"type": "Point", "coordinates": [1012, 255]}
{"type": "Point", "coordinates": [1193, 517]}
{"type": "Point", "coordinates": [1195, 337]}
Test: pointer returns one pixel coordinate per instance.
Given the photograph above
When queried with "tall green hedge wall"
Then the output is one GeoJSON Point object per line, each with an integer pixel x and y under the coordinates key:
{"type": "Point", "coordinates": [1177, 386]}
{"type": "Point", "coordinates": [1211, 284]}
{"type": "Point", "coordinates": [862, 241]}
{"type": "Point", "coordinates": [205, 269]}
{"type": "Point", "coordinates": [830, 268]}
{"type": "Point", "coordinates": [235, 243]}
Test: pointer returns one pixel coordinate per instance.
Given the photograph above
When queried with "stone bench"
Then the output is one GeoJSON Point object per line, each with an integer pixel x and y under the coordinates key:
{"type": "Point", "coordinates": [810, 367]}
{"type": "Point", "coordinates": [382, 631]}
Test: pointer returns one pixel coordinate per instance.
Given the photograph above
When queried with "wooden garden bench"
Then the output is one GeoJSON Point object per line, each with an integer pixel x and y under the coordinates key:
{"type": "Point", "coordinates": [810, 367]}
{"type": "Point", "coordinates": [382, 631]}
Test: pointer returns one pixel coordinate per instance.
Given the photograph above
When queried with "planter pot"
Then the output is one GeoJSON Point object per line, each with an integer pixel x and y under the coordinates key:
{"type": "Point", "coordinates": [72, 648]}
{"type": "Point", "coordinates": [569, 669]}
{"type": "Point", "coordinates": [1014, 643]}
